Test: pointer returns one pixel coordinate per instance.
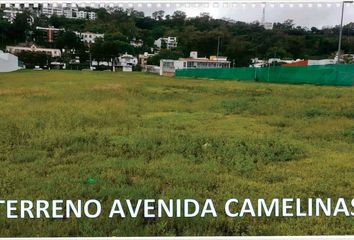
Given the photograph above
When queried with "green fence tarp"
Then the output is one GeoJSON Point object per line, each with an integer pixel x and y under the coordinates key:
{"type": "Point", "coordinates": [337, 75]}
{"type": "Point", "coordinates": [218, 73]}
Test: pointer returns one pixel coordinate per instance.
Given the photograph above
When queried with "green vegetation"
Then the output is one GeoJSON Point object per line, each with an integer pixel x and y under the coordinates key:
{"type": "Point", "coordinates": [240, 41]}
{"type": "Point", "coordinates": [103, 135]}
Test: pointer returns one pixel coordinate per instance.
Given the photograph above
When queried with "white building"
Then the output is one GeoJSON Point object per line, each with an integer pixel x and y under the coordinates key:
{"type": "Point", "coordinates": [8, 62]}
{"type": "Point", "coordinates": [170, 42]}
{"type": "Point", "coordinates": [80, 15]}
{"type": "Point", "coordinates": [136, 42]}
{"type": "Point", "coordinates": [266, 25]}
{"type": "Point", "coordinates": [255, 62]}
{"type": "Point", "coordinates": [89, 37]}
{"type": "Point", "coordinates": [127, 60]}
{"type": "Point", "coordinates": [91, 15]}
{"type": "Point", "coordinates": [50, 11]}
{"type": "Point", "coordinates": [168, 67]}
{"type": "Point", "coordinates": [196, 62]}
{"type": "Point", "coordinates": [10, 15]}
{"type": "Point", "coordinates": [68, 12]}
{"type": "Point", "coordinates": [321, 62]}
{"type": "Point", "coordinates": [49, 51]}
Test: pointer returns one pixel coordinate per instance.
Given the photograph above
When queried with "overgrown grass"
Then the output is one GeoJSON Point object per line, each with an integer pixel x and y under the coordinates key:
{"type": "Point", "coordinates": [144, 136]}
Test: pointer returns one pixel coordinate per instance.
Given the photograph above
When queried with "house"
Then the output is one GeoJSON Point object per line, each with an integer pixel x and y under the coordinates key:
{"type": "Point", "coordinates": [168, 43]}
{"type": "Point", "coordinates": [127, 60]}
{"type": "Point", "coordinates": [196, 62]}
{"type": "Point", "coordinates": [136, 42]}
{"type": "Point", "coordinates": [8, 62]}
{"type": "Point", "coordinates": [49, 51]}
{"type": "Point", "coordinates": [168, 67]}
{"type": "Point", "coordinates": [89, 37]}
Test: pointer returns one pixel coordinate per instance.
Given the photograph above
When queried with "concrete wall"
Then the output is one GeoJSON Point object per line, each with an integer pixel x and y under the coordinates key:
{"type": "Point", "coordinates": [8, 62]}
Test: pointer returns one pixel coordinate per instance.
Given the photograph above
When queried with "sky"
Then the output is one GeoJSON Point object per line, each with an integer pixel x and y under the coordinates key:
{"type": "Point", "coordinates": [304, 14]}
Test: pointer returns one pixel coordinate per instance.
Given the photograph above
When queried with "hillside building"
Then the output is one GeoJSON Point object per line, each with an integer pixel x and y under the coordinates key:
{"type": "Point", "coordinates": [168, 43]}
{"type": "Point", "coordinates": [68, 12]}
{"type": "Point", "coordinates": [49, 33]}
{"type": "Point", "coordinates": [49, 51]}
{"type": "Point", "coordinates": [10, 14]}
{"type": "Point", "coordinates": [89, 37]}
{"type": "Point", "coordinates": [136, 42]}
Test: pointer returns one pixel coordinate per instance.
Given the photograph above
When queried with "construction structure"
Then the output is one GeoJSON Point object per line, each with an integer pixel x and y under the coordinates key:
{"type": "Point", "coordinates": [266, 25]}
{"type": "Point", "coordinates": [49, 33]}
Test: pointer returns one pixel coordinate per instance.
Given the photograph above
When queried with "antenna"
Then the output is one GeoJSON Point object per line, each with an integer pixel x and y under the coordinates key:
{"type": "Point", "coordinates": [217, 52]}
{"type": "Point", "coordinates": [263, 14]}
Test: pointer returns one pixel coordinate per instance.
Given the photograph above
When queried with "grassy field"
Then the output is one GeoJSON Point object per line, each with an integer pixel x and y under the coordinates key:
{"type": "Point", "coordinates": [145, 136]}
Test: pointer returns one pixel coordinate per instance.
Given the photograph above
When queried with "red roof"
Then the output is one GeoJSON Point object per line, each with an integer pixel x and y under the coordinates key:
{"type": "Point", "coordinates": [298, 63]}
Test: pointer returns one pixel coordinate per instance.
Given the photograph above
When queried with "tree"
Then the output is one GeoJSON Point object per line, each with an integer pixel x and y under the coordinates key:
{"type": "Point", "coordinates": [32, 59]}
{"type": "Point", "coordinates": [102, 14]}
{"type": "Point", "coordinates": [67, 40]}
{"type": "Point", "coordinates": [5, 28]}
{"type": "Point", "coordinates": [20, 27]}
{"type": "Point", "coordinates": [158, 15]}
{"type": "Point", "coordinates": [179, 16]}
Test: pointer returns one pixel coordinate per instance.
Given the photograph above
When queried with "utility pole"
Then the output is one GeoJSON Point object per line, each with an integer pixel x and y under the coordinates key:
{"type": "Point", "coordinates": [89, 45]}
{"type": "Point", "coordinates": [263, 14]}
{"type": "Point", "coordinates": [341, 31]}
{"type": "Point", "coordinates": [217, 51]}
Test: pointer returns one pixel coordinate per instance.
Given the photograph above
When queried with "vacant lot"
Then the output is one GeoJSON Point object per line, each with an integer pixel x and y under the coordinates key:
{"type": "Point", "coordinates": [143, 136]}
